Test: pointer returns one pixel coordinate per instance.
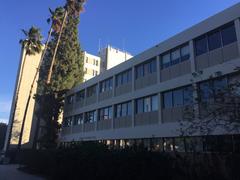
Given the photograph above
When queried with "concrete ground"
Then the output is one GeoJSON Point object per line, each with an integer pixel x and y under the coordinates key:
{"type": "Point", "coordinates": [10, 172]}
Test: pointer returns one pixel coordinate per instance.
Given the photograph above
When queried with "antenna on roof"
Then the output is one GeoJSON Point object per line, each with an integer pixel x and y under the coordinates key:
{"type": "Point", "coordinates": [123, 44]}
{"type": "Point", "coordinates": [99, 45]}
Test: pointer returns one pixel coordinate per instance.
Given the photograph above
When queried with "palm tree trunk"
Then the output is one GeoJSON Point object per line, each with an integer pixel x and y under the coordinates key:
{"type": "Point", "coordinates": [31, 89]}
{"type": "Point", "coordinates": [56, 48]}
{"type": "Point", "coordinates": [16, 99]}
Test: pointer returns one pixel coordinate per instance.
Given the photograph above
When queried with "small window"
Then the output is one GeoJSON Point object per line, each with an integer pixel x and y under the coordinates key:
{"type": "Point", "coordinates": [214, 40]}
{"type": "Point", "coordinates": [124, 109]}
{"type": "Point", "coordinates": [166, 61]}
{"type": "Point", "coordinates": [154, 103]}
{"type": "Point", "coordinates": [70, 99]}
{"type": "Point", "coordinates": [119, 111]}
{"type": "Point", "coordinates": [229, 35]}
{"type": "Point", "coordinates": [176, 56]}
{"type": "Point", "coordinates": [178, 97]}
{"type": "Point", "coordinates": [147, 104]}
{"type": "Point", "coordinates": [139, 108]}
{"type": "Point", "coordinates": [129, 108]}
{"type": "Point", "coordinates": [153, 66]}
{"type": "Point", "coordinates": [185, 54]}
{"type": "Point", "coordinates": [80, 95]}
{"type": "Point", "coordinates": [139, 71]}
{"type": "Point", "coordinates": [167, 100]}
{"type": "Point", "coordinates": [201, 45]}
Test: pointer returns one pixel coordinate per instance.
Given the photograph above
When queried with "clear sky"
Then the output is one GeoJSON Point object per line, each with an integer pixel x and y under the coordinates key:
{"type": "Point", "coordinates": [136, 23]}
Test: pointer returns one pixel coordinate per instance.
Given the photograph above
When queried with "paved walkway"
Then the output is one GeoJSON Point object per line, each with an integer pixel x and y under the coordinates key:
{"type": "Point", "coordinates": [10, 172]}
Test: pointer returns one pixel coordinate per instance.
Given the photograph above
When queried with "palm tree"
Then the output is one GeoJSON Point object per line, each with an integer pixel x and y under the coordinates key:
{"type": "Point", "coordinates": [75, 6]}
{"type": "Point", "coordinates": [32, 45]}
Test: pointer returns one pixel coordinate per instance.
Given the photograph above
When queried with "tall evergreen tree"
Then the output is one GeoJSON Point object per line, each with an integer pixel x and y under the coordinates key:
{"type": "Point", "coordinates": [67, 72]}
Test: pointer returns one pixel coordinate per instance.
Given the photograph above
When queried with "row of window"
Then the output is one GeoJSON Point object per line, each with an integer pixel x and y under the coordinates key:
{"type": "Point", "coordinates": [106, 85]}
{"type": "Point", "coordinates": [124, 78]}
{"type": "Point", "coordinates": [146, 68]}
{"type": "Point", "coordinates": [147, 104]}
{"type": "Point", "coordinates": [95, 62]}
{"type": "Point", "coordinates": [178, 97]}
{"type": "Point", "coordinates": [175, 56]}
{"type": "Point", "coordinates": [215, 39]}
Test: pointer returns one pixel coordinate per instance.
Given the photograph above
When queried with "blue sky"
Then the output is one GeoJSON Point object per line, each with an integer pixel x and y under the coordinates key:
{"type": "Point", "coordinates": [140, 24]}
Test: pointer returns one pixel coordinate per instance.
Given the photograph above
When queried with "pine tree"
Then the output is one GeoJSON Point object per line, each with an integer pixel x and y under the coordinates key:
{"type": "Point", "coordinates": [67, 73]}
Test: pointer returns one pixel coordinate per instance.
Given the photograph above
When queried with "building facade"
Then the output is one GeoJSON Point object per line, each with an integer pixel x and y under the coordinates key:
{"type": "Point", "coordinates": [91, 66]}
{"type": "Point", "coordinates": [111, 57]}
{"type": "Point", "coordinates": [27, 70]}
{"type": "Point", "coordinates": [143, 99]}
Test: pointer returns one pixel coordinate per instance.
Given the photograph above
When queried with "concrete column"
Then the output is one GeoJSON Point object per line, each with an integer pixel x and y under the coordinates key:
{"type": "Point", "coordinates": [192, 57]}
{"type": "Point", "coordinates": [237, 27]}
{"type": "Point", "coordinates": [160, 120]}
{"type": "Point", "coordinates": [133, 113]}
{"type": "Point", "coordinates": [133, 79]}
{"type": "Point", "coordinates": [158, 69]}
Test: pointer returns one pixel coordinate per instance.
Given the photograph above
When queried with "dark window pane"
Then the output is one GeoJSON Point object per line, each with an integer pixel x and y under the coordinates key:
{"type": "Point", "coordinates": [201, 46]}
{"type": "Point", "coordinates": [124, 109]}
{"type": "Point", "coordinates": [110, 113]}
{"type": "Point", "coordinates": [146, 69]}
{"type": "Point", "coordinates": [119, 80]}
{"type": "Point", "coordinates": [185, 54]}
{"type": "Point", "coordinates": [167, 100]}
{"type": "Point", "coordinates": [139, 71]}
{"type": "Point", "coordinates": [166, 61]}
{"type": "Point", "coordinates": [188, 95]}
{"type": "Point", "coordinates": [125, 77]}
{"type": "Point", "coordinates": [229, 35]}
{"type": "Point", "coordinates": [154, 103]}
{"type": "Point", "coordinates": [175, 56]}
{"type": "Point", "coordinates": [153, 66]}
{"type": "Point", "coordinates": [129, 75]}
{"type": "Point", "coordinates": [119, 110]}
{"type": "Point", "coordinates": [129, 108]}
{"type": "Point", "coordinates": [178, 97]}
{"type": "Point", "coordinates": [214, 40]}
{"type": "Point", "coordinates": [205, 91]}
{"type": "Point", "coordinates": [80, 96]}
{"type": "Point", "coordinates": [147, 104]}
{"type": "Point", "coordinates": [139, 108]}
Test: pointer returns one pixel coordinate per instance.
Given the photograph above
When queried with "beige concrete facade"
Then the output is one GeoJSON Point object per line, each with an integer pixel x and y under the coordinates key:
{"type": "Point", "coordinates": [27, 72]}
{"type": "Point", "coordinates": [91, 66]}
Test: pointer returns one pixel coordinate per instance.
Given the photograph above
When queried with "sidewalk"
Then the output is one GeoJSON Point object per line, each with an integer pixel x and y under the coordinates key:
{"type": "Point", "coordinates": [10, 172]}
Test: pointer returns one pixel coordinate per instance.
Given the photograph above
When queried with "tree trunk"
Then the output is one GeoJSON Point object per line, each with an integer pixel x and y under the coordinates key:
{"type": "Point", "coordinates": [31, 89]}
{"type": "Point", "coordinates": [16, 99]}
{"type": "Point", "coordinates": [56, 48]}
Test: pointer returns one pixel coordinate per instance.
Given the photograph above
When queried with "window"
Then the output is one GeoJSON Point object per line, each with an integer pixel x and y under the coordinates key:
{"type": "Point", "coordinates": [105, 113]}
{"type": "Point", "coordinates": [146, 68]}
{"type": "Point", "coordinates": [139, 71]}
{"type": "Point", "coordinates": [228, 34]}
{"type": "Point", "coordinates": [90, 117]}
{"type": "Point", "coordinates": [214, 40]}
{"type": "Point", "coordinates": [124, 77]}
{"type": "Point", "coordinates": [78, 119]}
{"type": "Point", "coordinates": [96, 62]}
{"type": "Point", "coordinates": [123, 109]}
{"type": "Point", "coordinates": [86, 59]}
{"type": "Point", "coordinates": [80, 95]}
{"type": "Point", "coordinates": [175, 56]}
{"type": "Point", "coordinates": [210, 88]}
{"type": "Point", "coordinates": [185, 54]}
{"type": "Point", "coordinates": [139, 107]}
{"type": "Point", "coordinates": [178, 97]}
{"type": "Point", "coordinates": [167, 100]}
{"type": "Point", "coordinates": [91, 90]}
{"type": "Point", "coordinates": [70, 99]}
{"type": "Point", "coordinates": [147, 104]}
{"type": "Point", "coordinates": [67, 122]}
{"type": "Point", "coordinates": [166, 61]}
{"type": "Point", "coordinates": [106, 85]}
{"type": "Point", "coordinates": [154, 104]}
{"type": "Point", "coordinates": [201, 45]}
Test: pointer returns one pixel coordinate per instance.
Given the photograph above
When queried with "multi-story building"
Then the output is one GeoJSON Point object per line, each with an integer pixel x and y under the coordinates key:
{"type": "Point", "coordinates": [91, 66]}
{"type": "Point", "coordinates": [27, 70]}
{"type": "Point", "coordinates": [142, 99]}
{"type": "Point", "coordinates": [111, 57]}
